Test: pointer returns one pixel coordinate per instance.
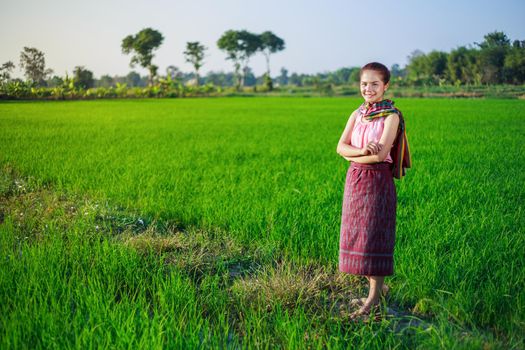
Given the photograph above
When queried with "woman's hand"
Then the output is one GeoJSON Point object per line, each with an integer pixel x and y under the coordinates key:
{"type": "Point", "coordinates": [371, 148]}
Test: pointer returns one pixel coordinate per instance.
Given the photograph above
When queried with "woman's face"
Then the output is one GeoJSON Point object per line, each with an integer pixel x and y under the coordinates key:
{"type": "Point", "coordinates": [372, 87]}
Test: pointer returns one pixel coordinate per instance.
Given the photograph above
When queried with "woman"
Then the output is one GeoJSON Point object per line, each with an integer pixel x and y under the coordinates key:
{"type": "Point", "coordinates": [374, 140]}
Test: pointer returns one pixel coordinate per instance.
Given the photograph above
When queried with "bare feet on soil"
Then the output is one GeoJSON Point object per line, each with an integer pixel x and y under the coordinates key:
{"type": "Point", "coordinates": [361, 301]}
{"type": "Point", "coordinates": [367, 312]}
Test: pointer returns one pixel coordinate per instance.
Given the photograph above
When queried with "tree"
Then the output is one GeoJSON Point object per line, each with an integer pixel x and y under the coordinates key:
{"type": "Point", "coordinates": [249, 43]}
{"type": "Point", "coordinates": [133, 79]}
{"type": "Point", "coordinates": [174, 73]}
{"type": "Point", "coordinates": [55, 81]}
{"type": "Point", "coordinates": [106, 81]}
{"type": "Point", "coordinates": [5, 71]}
{"type": "Point", "coordinates": [249, 77]}
{"type": "Point", "coordinates": [143, 44]}
{"type": "Point", "coordinates": [33, 62]}
{"type": "Point", "coordinates": [515, 63]}
{"type": "Point", "coordinates": [396, 72]}
{"type": "Point", "coordinates": [354, 76]}
{"type": "Point", "coordinates": [494, 39]}
{"type": "Point", "coordinates": [342, 75]}
{"type": "Point", "coordinates": [283, 78]}
{"type": "Point", "coordinates": [230, 43]}
{"type": "Point", "coordinates": [195, 55]}
{"type": "Point", "coordinates": [416, 66]}
{"type": "Point", "coordinates": [220, 78]}
{"type": "Point", "coordinates": [270, 43]}
{"type": "Point", "coordinates": [462, 66]}
{"type": "Point", "coordinates": [83, 78]}
{"type": "Point", "coordinates": [428, 68]}
{"type": "Point", "coordinates": [436, 65]}
{"type": "Point", "coordinates": [492, 56]}
{"type": "Point", "coordinates": [296, 79]}
{"type": "Point", "coordinates": [239, 47]}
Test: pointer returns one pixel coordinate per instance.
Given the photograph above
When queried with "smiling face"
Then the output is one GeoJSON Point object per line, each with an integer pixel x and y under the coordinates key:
{"type": "Point", "coordinates": [372, 86]}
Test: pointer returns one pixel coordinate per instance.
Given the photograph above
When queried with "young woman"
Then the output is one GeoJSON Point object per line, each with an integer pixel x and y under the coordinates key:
{"type": "Point", "coordinates": [374, 141]}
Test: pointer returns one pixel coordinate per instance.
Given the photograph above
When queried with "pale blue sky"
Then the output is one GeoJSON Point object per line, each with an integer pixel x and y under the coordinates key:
{"type": "Point", "coordinates": [319, 35]}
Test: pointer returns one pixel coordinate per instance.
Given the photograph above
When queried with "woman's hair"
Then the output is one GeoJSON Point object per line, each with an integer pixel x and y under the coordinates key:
{"type": "Point", "coordinates": [378, 67]}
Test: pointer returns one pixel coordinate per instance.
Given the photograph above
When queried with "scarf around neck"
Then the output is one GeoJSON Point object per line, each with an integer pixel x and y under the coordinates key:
{"type": "Point", "coordinates": [400, 151]}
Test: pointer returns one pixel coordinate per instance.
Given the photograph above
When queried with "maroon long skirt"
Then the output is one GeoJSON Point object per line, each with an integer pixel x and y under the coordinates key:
{"type": "Point", "coordinates": [368, 223]}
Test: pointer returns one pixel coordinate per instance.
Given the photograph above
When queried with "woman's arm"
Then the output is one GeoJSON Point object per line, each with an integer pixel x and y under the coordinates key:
{"type": "Point", "coordinates": [343, 147]}
{"type": "Point", "coordinates": [386, 141]}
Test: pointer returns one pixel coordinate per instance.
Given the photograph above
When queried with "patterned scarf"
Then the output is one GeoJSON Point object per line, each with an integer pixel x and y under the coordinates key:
{"type": "Point", "coordinates": [400, 152]}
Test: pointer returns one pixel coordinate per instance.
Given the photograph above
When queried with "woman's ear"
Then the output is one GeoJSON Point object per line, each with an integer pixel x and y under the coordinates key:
{"type": "Point", "coordinates": [387, 85]}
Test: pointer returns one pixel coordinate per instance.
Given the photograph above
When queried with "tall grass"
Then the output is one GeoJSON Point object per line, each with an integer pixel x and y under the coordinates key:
{"type": "Point", "coordinates": [265, 170]}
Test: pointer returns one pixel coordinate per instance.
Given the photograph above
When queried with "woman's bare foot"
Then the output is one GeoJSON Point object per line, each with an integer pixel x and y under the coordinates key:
{"type": "Point", "coordinates": [361, 301]}
{"type": "Point", "coordinates": [365, 311]}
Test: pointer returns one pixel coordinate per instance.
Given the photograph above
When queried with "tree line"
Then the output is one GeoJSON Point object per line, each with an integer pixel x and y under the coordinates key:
{"type": "Point", "coordinates": [495, 60]}
{"type": "Point", "coordinates": [239, 46]}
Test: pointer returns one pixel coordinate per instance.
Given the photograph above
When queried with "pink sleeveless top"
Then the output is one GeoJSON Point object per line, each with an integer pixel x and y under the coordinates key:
{"type": "Point", "coordinates": [366, 131]}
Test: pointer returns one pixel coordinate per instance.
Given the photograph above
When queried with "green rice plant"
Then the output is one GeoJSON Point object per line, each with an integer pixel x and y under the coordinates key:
{"type": "Point", "coordinates": [263, 171]}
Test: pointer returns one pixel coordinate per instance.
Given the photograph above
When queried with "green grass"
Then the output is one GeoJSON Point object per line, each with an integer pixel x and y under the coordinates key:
{"type": "Point", "coordinates": [264, 173]}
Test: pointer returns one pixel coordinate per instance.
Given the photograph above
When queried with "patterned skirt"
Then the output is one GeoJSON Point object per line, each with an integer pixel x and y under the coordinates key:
{"type": "Point", "coordinates": [368, 222]}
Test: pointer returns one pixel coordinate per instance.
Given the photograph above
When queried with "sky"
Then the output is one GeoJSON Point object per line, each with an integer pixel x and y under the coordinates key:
{"type": "Point", "coordinates": [320, 35]}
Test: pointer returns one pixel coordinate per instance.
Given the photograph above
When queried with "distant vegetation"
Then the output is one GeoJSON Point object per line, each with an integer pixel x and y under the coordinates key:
{"type": "Point", "coordinates": [468, 71]}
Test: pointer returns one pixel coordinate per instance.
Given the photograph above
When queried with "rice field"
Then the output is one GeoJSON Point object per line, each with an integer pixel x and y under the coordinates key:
{"type": "Point", "coordinates": [214, 222]}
